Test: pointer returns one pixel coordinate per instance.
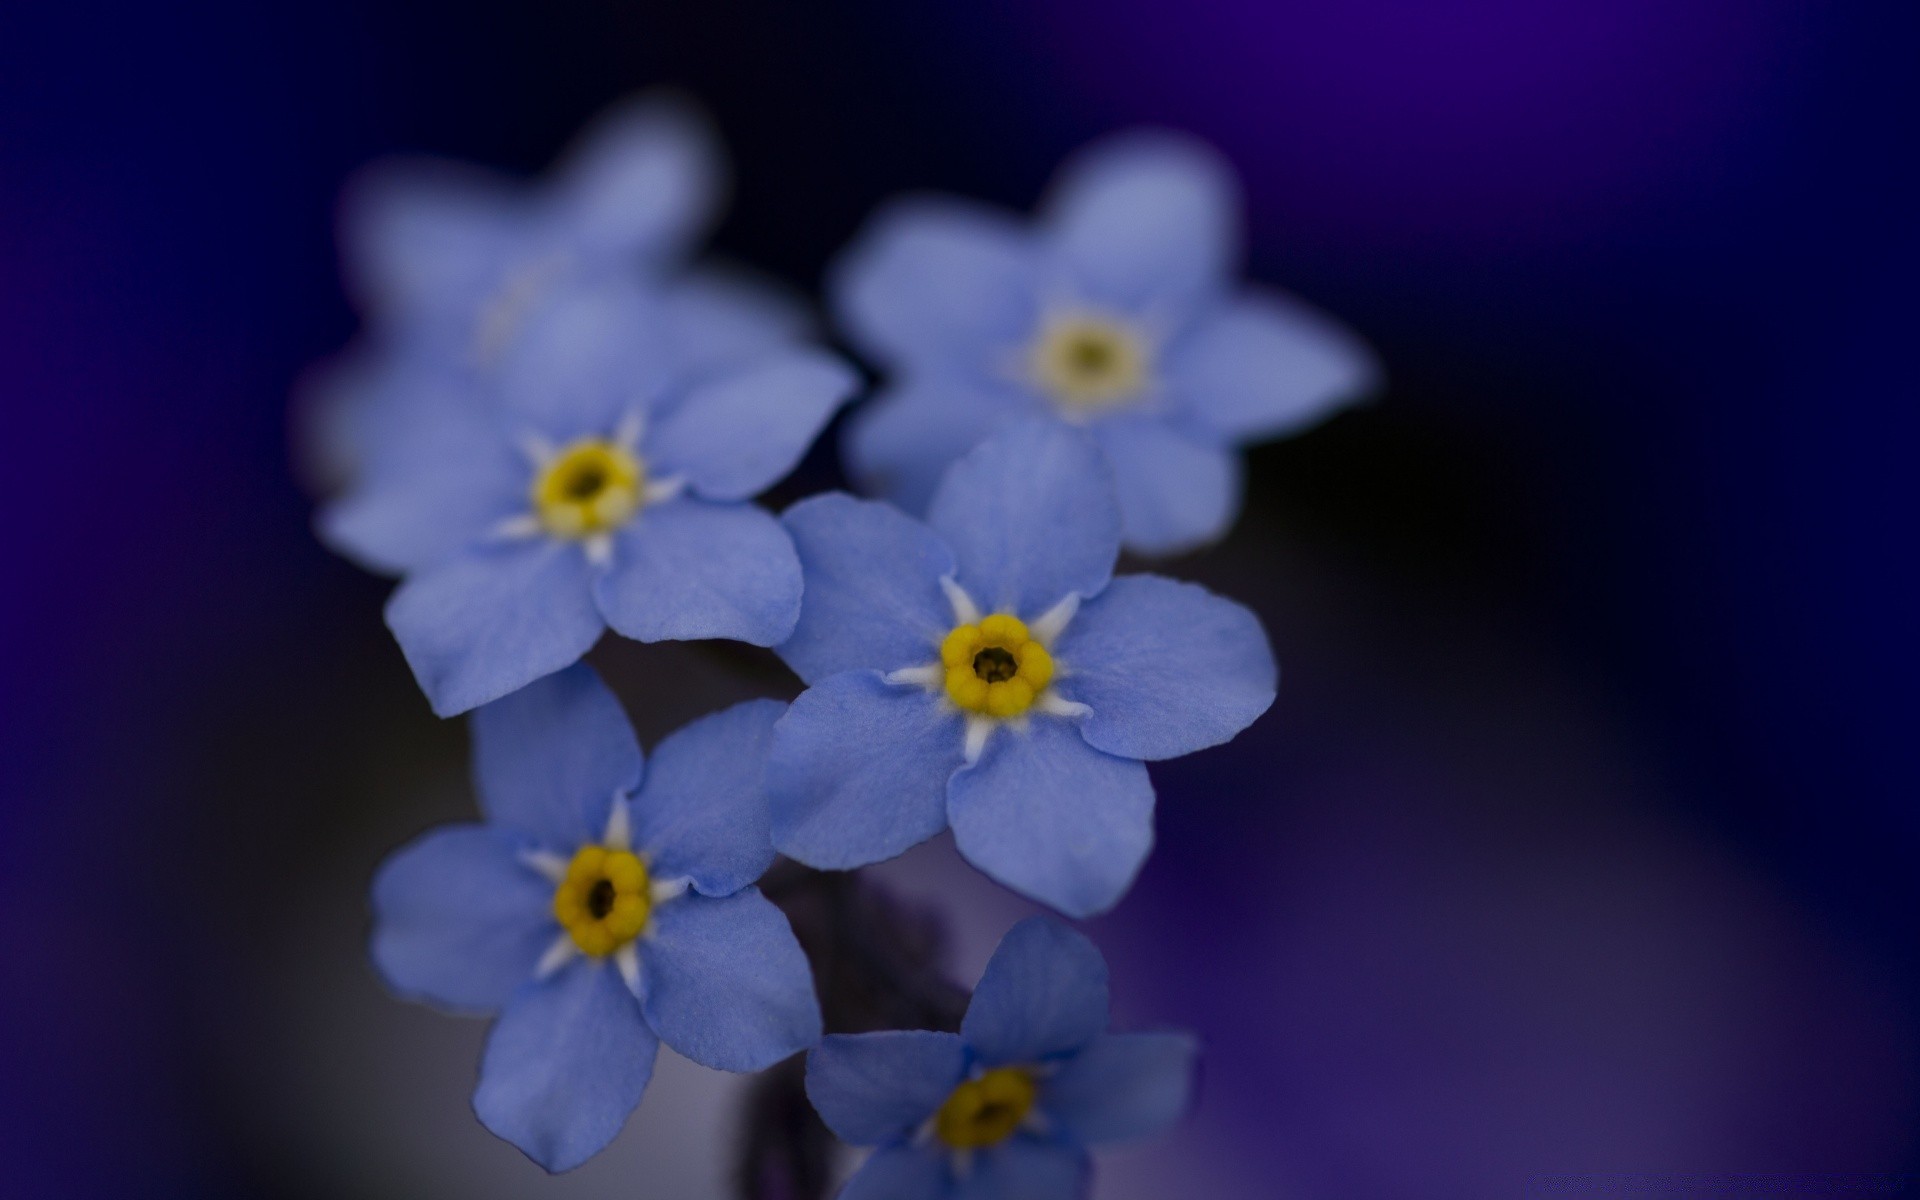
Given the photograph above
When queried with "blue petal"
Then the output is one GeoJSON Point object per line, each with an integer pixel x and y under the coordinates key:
{"type": "Point", "coordinates": [1024, 1169]}
{"type": "Point", "coordinates": [1043, 994]}
{"type": "Point", "coordinates": [585, 359]}
{"type": "Point", "coordinates": [1267, 365]}
{"type": "Point", "coordinates": [739, 434]}
{"type": "Point", "coordinates": [725, 983]}
{"type": "Point", "coordinates": [900, 1173]}
{"type": "Point", "coordinates": [1167, 667]}
{"type": "Point", "coordinates": [703, 812]}
{"type": "Point", "coordinates": [551, 758]}
{"type": "Point", "coordinates": [1122, 1086]}
{"type": "Point", "coordinates": [872, 1088]}
{"type": "Point", "coordinates": [937, 283]}
{"type": "Point", "coordinates": [458, 919]}
{"type": "Point", "coordinates": [1053, 818]}
{"type": "Point", "coordinates": [873, 597]}
{"type": "Point", "coordinates": [1176, 492]}
{"type": "Point", "coordinates": [424, 235]}
{"type": "Point", "coordinates": [687, 569]}
{"type": "Point", "coordinates": [1147, 222]}
{"type": "Point", "coordinates": [719, 320]}
{"type": "Point", "coordinates": [564, 1065]}
{"type": "Point", "coordinates": [493, 620]}
{"type": "Point", "coordinates": [900, 443]}
{"type": "Point", "coordinates": [644, 179]}
{"type": "Point", "coordinates": [859, 771]}
{"type": "Point", "coordinates": [1030, 515]}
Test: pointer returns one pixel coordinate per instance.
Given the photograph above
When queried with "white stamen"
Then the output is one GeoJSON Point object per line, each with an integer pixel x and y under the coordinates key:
{"type": "Point", "coordinates": [1051, 623]}
{"type": "Point", "coordinates": [930, 676]}
{"type": "Point", "coordinates": [599, 549]}
{"type": "Point", "coordinates": [962, 1163]}
{"type": "Point", "coordinates": [619, 831]}
{"type": "Point", "coordinates": [965, 611]}
{"type": "Point", "coordinates": [1035, 1122]}
{"type": "Point", "coordinates": [660, 891]}
{"type": "Point", "coordinates": [659, 491]}
{"type": "Point", "coordinates": [627, 960]}
{"type": "Point", "coordinates": [547, 863]}
{"type": "Point", "coordinates": [978, 730]}
{"type": "Point", "coordinates": [627, 434]}
{"type": "Point", "coordinates": [519, 528]}
{"type": "Point", "coordinates": [558, 955]}
{"type": "Point", "coordinates": [537, 448]}
{"type": "Point", "coordinates": [1055, 705]}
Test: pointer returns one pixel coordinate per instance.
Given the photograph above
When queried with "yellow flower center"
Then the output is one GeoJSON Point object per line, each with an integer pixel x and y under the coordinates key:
{"type": "Point", "coordinates": [589, 487]}
{"type": "Point", "coordinates": [603, 902]}
{"type": "Point", "coordinates": [1089, 363]}
{"type": "Point", "coordinates": [985, 1111]}
{"type": "Point", "coordinates": [995, 667]}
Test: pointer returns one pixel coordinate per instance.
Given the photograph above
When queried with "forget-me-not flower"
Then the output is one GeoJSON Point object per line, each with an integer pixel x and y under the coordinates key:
{"type": "Point", "coordinates": [982, 671]}
{"type": "Point", "coordinates": [593, 484]}
{"type": "Point", "coordinates": [1115, 311]}
{"type": "Point", "coordinates": [599, 912]}
{"type": "Point", "coordinates": [1006, 1107]}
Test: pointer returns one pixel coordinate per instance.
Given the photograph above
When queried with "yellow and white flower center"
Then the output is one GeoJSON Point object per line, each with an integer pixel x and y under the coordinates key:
{"type": "Point", "coordinates": [985, 1111]}
{"type": "Point", "coordinates": [1089, 363]}
{"type": "Point", "coordinates": [604, 899]}
{"type": "Point", "coordinates": [995, 666]}
{"type": "Point", "coordinates": [589, 487]}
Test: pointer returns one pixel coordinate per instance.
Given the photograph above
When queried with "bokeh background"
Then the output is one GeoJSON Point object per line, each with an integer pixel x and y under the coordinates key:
{"type": "Point", "coordinates": [1583, 837]}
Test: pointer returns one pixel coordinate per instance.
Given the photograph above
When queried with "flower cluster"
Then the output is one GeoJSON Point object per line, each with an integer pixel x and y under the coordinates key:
{"type": "Point", "coordinates": [555, 426]}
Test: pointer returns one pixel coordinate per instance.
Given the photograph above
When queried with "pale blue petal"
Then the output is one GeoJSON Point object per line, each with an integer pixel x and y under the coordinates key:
{"type": "Point", "coordinates": [1030, 515]}
{"type": "Point", "coordinates": [872, 1088]}
{"type": "Point", "coordinates": [585, 359]}
{"type": "Point", "coordinates": [1146, 222]}
{"type": "Point", "coordinates": [739, 434]}
{"type": "Point", "coordinates": [1167, 667]}
{"type": "Point", "coordinates": [703, 812]}
{"type": "Point", "coordinates": [644, 180]}
{"type": "Point", "coordinates": [686, 569]}
{"type": "Point", "coordinates": [1176, 491]}
{"type": "Point", "coordinates": [1122, 1086]}
{"type": "Point", "coordinates": [1052, 818]}
{"type": "Point", "coordinates": [565, 1064]}
{"type": "Point", "coordinates": [899, 443]}
{"type": "Point", "coordinates": [458, 919]}
{"type": "Point", "coordinates": [725, 983]}
{"type": "Point", "coordinates": [939, 283]}
{"type": "Point", "coordinates": [1043, 994]}
{"type": "Point", "coordinates": [859, 771]}
{"type": "Point", "coordinates": [550, 759]}
{"type": "Point", "coordinates": [494, 619]}
{"type": "Point", "coordinates": [720, 319]}
{"type": "Point", "coordinates": [1266, 365]}
{"type": "Point", "coordinates": [1025, 1169]}
{"type": "Point", "coordinates": [873, 597]}
{"type": "Point", "coordinates": [422, 238]}
{"type": "Point", "coordinates": [900, 1173]}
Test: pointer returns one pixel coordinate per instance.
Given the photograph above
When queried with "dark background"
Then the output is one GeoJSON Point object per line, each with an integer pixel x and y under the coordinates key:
{"type": "Point", "coordinates": [1583, 837]}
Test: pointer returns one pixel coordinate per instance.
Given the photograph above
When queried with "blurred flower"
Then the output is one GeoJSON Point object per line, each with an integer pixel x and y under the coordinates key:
{"type": "Point", "coordinates": [1007, 1106]}
{"type": "Point", "coordinates": [601, 915]}
{"type": "Point", "coordinates": [981, 670]}
{"type": "Point", "coordinates": [1115, 312]}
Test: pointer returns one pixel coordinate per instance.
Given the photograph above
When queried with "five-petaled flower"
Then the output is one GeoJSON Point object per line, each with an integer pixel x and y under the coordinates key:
{"type": "Point", "coordinates": [982, 671]}
{"type": "Point", "coordinates": [600, 913]}
{"type": "Point", "coordinates": [1007, 1106]}
{"type": "Point", "coordinates": [1117, 313]}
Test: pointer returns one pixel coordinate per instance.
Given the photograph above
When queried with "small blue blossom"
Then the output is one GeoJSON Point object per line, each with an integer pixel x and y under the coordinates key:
{"type": "Point", "coordinates": [981, 671]}
{"type": "Point", "coordinates": [1115, 312]}
{"type": "Point", "coordinates": [592, 480]}
{"type": "Point", "coordinates": [599, 912]}
{"type": "Point", "coordinates": [1006, 1107]}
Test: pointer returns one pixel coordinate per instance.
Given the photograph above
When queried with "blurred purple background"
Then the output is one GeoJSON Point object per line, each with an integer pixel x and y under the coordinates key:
{"type": "Point", "coordinates": [1583, 837]}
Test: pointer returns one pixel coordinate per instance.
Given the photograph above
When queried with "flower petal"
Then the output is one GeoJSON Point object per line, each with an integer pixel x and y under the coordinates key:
{"type": "Point", "coordinates": [738, 435]}
{"type": "Point", "coordinates": [872, 1088]}
{"type": "Point", "coordinates": [494, 619]}
{"type": "Point", "coordinates": [899, 1173]}
{"type": "Point", "coordinates": [1043, 994]}
{"type": "Point", "coordinates": [1266, 365]}
{"type": "Point", "coordinates": [551, 758]}
{"type": "Point", "coordinates": [900, 443]}
{"type": "Point", "coordinates": [688, 569]}
{"type": "Point", "coordinates": [720, 319]}
{"type": "Point", "coordinates": [584, 359]}
{"type": "Point", "coordinates": [1030, 515]}
{"type": "Point", "coordinates": [1122, 1086]}
{"type": "Point", "coordinates": [1147, 221]}
{"type": "Point", "coordinates": [859, 771]}
{"type": "Point", "coordinates": [458, 919]}
{"type": "Point", "coordinates": [703, 812]}
{"type": "Point", "coordinates": [936, 282]}
{"type": "Point", "coordinates": [644, 179]}
{"type": "Point", "coordinates": [725, 983]}
{"type": "Point", "coordinates": [1024, 1169]}
{"type": "Point", "coordinates": [421, 237]}
{"type": "Point", "coordinates": [1053, 818]}
{"type": "Point", "coordinates": [873, 597]}
{"type": "Point", "coordinates": [1167, 668]}
{"type": "Point", "coordinates": [564, 1065]}
{"type": "Point", "coordinates": [1176, 492]}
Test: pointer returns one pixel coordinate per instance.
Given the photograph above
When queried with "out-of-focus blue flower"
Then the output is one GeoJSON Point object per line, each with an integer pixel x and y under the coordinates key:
{"type": "Point", "coordinates": [981, 671]}
{"type": "Point", "coordinates": [1006, 1107]}
{"type": "Point", "coordinates": [599, 913]}
{"type": "Point", "coordinates": [1116, 311]}
{"type": "Point", "coordinates": [593, 480]}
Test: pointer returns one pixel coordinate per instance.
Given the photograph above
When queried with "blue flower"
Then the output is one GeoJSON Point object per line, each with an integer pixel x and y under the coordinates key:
{"type": "Point", "coordinates": [1115, 312]}
{"type": "Point", "coordinates": [600, 914]}
{"type": "Point", "coordinates": [590, 483]}
{"type": "Point", "coordinates": [1006, 1107]}
{"type": "Point", "coordinates": [981, 671]}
